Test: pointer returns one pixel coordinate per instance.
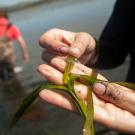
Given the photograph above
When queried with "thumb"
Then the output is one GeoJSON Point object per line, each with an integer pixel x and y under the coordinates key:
{"type": "Point", "coordinates": [77, 49]}
{"type": "Point", "coordinates": [82, 43]}
{"type": "Point", "coordinates": [116, 94]}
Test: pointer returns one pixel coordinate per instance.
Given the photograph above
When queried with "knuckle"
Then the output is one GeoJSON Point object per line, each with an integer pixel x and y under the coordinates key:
{"type": "Point", "coordinates": [40, 67]}
{"type": "Point", "coordinates": [85, 34]}
{"type": "Point", "coordinates": [52, 30]}
{"type": "Point", "coordinates": [40, 40]}
{"type": "Point", "coordinates": [113, 93]}
{"type": "Point", "coordinates": [75, 52]}
{"type": "Point", "coordinates": [44, 37]}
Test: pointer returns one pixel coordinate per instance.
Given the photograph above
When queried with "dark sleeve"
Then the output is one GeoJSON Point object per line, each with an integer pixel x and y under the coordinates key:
{"type": "Point", "coordinates": [115, 40]}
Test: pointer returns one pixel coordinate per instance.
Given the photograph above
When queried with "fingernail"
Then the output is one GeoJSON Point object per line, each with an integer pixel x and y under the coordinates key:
{"type": "Point", "coordinates": [64, 49]}
{"type": "Point", "coordinates": [99, 88]}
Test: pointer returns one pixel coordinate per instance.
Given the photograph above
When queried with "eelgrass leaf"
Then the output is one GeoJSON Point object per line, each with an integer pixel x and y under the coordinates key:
{"type": "Point", "coordinates": [88, 128]}
{"type": "Point", "coordinates": [69, 65]}
{"type": "Point", "coordinates": [87, 80]}
{"type": "Point", "coordinates": [85, 110]}
{"type": "Point", "coordinates": [127, 84]}
{"type": "Point", "coordinates": [69, 79]}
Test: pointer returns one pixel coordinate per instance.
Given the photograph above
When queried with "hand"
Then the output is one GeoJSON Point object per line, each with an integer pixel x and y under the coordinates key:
{"type": "Point", "coordinates": [23, 46]}
{"type": "Point", "coordinates": [59, 42]}
{"type": "Point", "coordinates": [114, 105]}
{"type": "Point", "coordinates": [26, 57]}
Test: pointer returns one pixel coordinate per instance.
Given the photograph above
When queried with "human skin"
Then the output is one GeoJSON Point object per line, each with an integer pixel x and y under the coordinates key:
{"type": "Point", "coordinates": [61, 42]}
{"type": "Point", "coordinates": [9, 52]}
{"type": "Point", "coordinates": [114, 105]}
{"type": "Point", "coordinates": [23, 47]}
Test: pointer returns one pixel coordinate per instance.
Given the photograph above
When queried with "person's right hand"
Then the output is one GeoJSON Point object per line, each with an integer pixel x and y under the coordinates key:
{"type": "Point", "coordinates": [58, 42]}
{"type": "Point", "coordinates": [26, 56]}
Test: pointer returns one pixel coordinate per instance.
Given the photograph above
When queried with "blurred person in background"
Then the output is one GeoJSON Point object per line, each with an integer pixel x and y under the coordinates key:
{"type": "Point", "coordinates": [8, 33]}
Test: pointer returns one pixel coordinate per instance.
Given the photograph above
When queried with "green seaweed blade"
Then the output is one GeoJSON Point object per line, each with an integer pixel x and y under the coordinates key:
{"type": "Point", "coordinates": [69, 65]}
{"type": "Point", "coordinates": [85, 110]}
{"type": "Point", "coordinates": [127, 84]}
{"type": "Point", "coordinates": [68, 80]}
{"type": "Point", "coordinates": [89, 123]}
{"type": "Point", "coordinates": [79, 103]}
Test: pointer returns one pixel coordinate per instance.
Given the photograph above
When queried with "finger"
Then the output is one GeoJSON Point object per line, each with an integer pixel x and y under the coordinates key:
{"type": "Point", "coordinates": [56, 39]}
{"type": "Point", "coordinates": [115, 118]}
{"type": "Point", "coordinates": [62, 100]}
{"type": "Point", "coordinates": [83, 43]}
{"type": "Point", "coordinates": [116, 94]}
{"type": "Point", "coordinates": [58, 99]}
{"type": "Point", "coordinates": [56, 77]}
{"type": "Point", "coordinates": [65, 101]}
{"type": "Point", "coordinates": [78, 68]}
{"type": "Point", "coordinates": [107, 114]}
{"type": "Point", "coordinates": [51, 74]}
{"type": "Point", "coordinates": [48, 55]}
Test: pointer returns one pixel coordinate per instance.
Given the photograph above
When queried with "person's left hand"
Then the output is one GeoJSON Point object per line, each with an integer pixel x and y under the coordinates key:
{"type": "Point", "coordinates": [58, 42]}
{"type": "Point", "coordinates": [114, 105]}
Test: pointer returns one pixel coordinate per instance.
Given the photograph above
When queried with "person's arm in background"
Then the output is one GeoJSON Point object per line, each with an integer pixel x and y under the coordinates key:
{"type": "Point", "coordinates": [19, 38]}
{"type": "Point", "coordinates": [116, 39]}
{"type": "Point", "coordinates": [23, 46]}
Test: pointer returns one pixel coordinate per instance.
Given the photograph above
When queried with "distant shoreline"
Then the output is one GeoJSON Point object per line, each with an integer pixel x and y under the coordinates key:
{"type": "Point", "coordinates": [25, 5]}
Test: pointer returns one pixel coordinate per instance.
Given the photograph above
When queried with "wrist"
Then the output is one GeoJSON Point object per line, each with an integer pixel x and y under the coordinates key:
{"type": "Point", "coordinates": [93, 56]}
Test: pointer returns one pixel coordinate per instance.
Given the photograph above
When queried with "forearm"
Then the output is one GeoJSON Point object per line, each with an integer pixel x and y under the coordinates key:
{"type": "Point", "coordinates": [107, 56]}
{"type": "Point", "coordinates": [117, 37]}
{"type": "Point", "coordinates": [23, 47]}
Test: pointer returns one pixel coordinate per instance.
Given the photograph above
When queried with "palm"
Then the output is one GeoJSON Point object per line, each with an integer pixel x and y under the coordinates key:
{"type": "Point", "coordinates": [112, 116]}
{"type": "Point", "coordinates": [106, 113]}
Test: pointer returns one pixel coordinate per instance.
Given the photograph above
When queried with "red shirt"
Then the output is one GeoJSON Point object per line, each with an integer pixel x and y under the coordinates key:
{"type": "Point", "coordinates": [12, 32]}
